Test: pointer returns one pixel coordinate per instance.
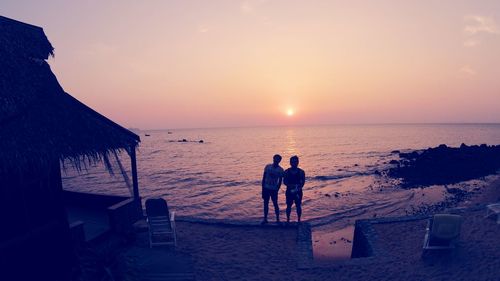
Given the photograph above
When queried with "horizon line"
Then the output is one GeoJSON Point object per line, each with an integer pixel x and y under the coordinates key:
{"type": "Point", "coordinates": [317, 125]}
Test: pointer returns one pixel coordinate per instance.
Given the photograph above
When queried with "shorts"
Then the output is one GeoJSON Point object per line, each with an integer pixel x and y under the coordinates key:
{"type": "Point", "coordinates": [269, 193]}
{"type": "Point", "coordinates": [293, 198]}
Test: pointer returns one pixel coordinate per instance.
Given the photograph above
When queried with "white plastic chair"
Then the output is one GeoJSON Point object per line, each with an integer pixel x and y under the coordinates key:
{"type": "Point", "coordinates": [161, 223]}
{"type": "Point", "coordinates": [442, 232]}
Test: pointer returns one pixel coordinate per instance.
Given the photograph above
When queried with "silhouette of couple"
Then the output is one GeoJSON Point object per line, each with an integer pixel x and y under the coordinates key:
{"type": "Point", "coordinates": [294, 179]}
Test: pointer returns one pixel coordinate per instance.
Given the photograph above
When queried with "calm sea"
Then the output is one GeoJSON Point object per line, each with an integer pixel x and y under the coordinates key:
{"type": "Point", "coordinates": [220, 178]}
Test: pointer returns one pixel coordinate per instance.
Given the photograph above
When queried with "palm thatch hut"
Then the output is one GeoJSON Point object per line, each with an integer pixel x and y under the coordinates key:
{"type": "Point", "coordinates": [40, 126]}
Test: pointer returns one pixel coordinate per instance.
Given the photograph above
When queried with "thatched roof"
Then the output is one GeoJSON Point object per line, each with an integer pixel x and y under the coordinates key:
{"type": "Point", "coordinates": [39, 122]}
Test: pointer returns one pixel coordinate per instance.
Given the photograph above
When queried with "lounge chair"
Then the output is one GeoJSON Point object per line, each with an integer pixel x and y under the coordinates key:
{"type": "Point", "coordinates": [442, 232]}
{"type": "Point", "coordinates": [161, 223]}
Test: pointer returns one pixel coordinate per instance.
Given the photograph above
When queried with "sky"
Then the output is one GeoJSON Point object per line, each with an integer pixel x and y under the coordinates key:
{"type": "Point", "coordinates": [193, 64]}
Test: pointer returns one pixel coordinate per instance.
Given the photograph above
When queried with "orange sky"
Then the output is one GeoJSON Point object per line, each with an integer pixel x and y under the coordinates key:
{"type": "Point", "coordinates": [177, 64]}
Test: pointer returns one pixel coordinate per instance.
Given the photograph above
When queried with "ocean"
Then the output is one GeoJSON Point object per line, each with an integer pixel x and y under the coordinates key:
{"type": "Point", "coordinates": [220, 177]}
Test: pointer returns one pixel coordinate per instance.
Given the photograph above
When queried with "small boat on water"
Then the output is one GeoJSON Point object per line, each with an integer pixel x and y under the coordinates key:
{"type": "Point", "coordinates": [147, 135]}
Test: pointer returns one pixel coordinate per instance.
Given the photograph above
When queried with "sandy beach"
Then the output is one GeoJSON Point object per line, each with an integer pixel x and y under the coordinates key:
{"type": "Point", "coordinates": [229, 252]}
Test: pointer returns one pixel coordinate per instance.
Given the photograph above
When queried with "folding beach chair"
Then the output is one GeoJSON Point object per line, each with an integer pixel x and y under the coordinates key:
{"type": "Point", "coordinates": [161, 223]}
{"type": "Point", "coordinates": [442, 232]}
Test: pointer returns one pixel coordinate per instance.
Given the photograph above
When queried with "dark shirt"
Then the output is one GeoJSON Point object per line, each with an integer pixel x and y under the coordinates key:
{"type": "Point", "coordinates": [294, 177]}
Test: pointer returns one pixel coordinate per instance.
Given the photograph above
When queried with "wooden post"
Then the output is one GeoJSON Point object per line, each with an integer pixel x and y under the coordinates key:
{"type": "Point", "coordinates": [135, 183]}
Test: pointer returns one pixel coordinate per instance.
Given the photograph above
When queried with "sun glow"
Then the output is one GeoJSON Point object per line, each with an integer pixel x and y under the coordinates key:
{"type": "Point", "coordinates": [290, 112]}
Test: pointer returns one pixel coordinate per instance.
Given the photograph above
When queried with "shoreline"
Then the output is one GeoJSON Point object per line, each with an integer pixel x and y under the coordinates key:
{"type": "Point", "coordinates": [242, 249]}
{"type": "Point", "coordinates": [490, 190]}
{"type": "Point", "coordinates": [335, 245]}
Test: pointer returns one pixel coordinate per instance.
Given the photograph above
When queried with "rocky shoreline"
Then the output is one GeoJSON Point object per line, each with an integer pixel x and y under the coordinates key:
{"type": "Point", "coordinates": [444, 165]}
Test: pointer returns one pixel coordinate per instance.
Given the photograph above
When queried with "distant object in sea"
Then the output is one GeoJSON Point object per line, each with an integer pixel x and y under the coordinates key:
{"type": "Point", "coordinates": [185, 140]}
{"type": "Point", "coordinates": [147, 135]}
{"type": "Point", "coordinates": [169, 132]}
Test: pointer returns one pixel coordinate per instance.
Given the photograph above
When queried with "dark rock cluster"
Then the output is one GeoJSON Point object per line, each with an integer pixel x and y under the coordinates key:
{"type": "Point", "coordinates": [445, 165]}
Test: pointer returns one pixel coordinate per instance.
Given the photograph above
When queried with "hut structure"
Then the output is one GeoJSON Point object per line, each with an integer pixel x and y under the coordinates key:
{"type": "Point", "coordinates": [41, 126]}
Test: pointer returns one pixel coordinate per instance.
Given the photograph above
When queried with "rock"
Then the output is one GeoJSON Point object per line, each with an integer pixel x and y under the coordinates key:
{"type": "Point", "coordinates": [446, 165]}
{"type": "Point", "coordinates": [394, 162]}
{"type": "Point", "coordinates": [452, 190]}
{"type": "Point", "coordinates": [395, 152]}
{"type": "Point", "coordinates": [328, 195]}
{"type": "Point", "coordinates": [411, 155]}
{"type": "Point", "coordinates": [201, 141]}
{"type": "Point", "coordinates": [356, 165]}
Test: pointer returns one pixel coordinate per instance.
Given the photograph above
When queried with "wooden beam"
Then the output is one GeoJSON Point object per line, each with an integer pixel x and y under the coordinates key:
{"type": "Point", "coordinates": [135, 182]}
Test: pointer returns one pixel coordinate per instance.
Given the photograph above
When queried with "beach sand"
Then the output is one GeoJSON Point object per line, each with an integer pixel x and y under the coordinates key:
{"type": "Point", "coordinates": [270, 253]}
{"type": "Point", "coordinates": [229, 252]}
{"type": "Point", "coordinates": [477, 256]}
{"type": "Point", "coordinates": [239, 252]}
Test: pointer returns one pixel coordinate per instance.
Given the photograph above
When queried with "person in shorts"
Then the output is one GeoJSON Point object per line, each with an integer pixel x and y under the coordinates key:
{"type": "Point", "coordinates": [271, 183]}
{"type": "Point", "coordinates": [294, 179]}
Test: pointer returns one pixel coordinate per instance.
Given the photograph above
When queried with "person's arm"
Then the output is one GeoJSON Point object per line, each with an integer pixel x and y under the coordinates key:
{"type": "Point", "coordinates": [302, 179]}
{"type": "Point", "coordinates": [285, 178]}
{"type": "Point", "coordinates": [280, 180]}
{"type": "Point", "coordinates": [264, 177]}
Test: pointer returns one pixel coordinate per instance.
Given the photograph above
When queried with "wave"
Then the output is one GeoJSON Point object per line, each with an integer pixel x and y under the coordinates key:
{"type": "Point", "coordinates": [366, 210]}
{"type": "Point", "coordinates": [341, 176]}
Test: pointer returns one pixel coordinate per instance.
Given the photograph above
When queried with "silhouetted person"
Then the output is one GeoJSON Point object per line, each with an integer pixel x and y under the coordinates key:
{"type": "Point", "coordinates": [294, 179]}
{"type": "Point", "coordinates": [271, 183]}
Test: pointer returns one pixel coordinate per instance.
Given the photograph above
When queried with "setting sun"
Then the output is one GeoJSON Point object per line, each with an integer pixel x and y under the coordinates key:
{"type": "Point", "coordinates": [290, 112]}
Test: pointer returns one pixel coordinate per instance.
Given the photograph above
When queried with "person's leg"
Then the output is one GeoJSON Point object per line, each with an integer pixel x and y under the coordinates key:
{"type": "Point", "coordinates": [289, 202]}
{"type": "Point", "coordinates": [265, 196]}
{"type": "Point", "coordinates": [274, 198]}
{"type": "Point", "coordinates": [298, 205]}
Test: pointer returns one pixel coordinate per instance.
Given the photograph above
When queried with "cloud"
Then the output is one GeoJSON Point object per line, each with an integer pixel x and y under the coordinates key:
{"type": "Point", "coordinates": [478, 24]}
{"type": "Point", "coordinates": [466, 69]}
{"type": "Point", "coordinates": [470, 43]}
